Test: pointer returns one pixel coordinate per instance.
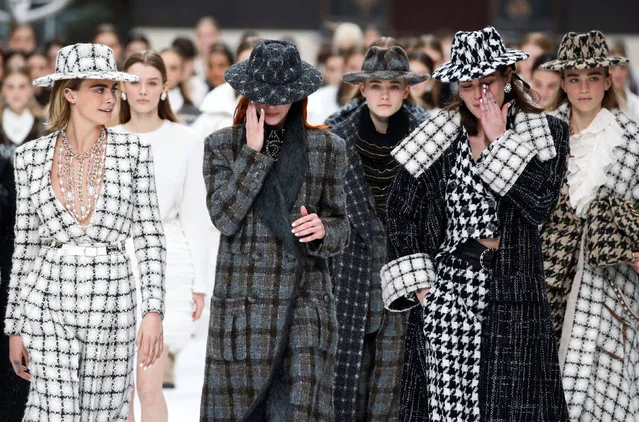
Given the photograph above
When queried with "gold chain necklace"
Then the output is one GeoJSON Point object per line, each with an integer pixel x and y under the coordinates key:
{"type": "Point", "coordinates": [74, 169]}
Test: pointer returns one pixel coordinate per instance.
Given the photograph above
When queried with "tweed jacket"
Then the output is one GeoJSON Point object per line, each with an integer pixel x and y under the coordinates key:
{"type": "Point", "coordinates": [77, 314]}
{"type": "Point", "coordinates": [599, 340]}
{"type": "Point", "coordinates": [356, 281]}
{"type": "Point", "coordinates": [519, 371]}
{"type": "Point", "coordinates": [256, 277]}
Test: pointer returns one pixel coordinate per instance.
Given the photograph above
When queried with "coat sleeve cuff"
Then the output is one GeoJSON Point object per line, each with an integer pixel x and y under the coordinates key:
{"type": "Point", "coordinates": [504, 160]}
{"type": "Point", "coordinates": [404, 276]}
{"type": "Point", "coordinates": [12, 327]}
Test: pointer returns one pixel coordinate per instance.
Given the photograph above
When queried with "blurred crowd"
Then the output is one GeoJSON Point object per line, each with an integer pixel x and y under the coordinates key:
{"type": "Point", "coordinates": [202, 100]}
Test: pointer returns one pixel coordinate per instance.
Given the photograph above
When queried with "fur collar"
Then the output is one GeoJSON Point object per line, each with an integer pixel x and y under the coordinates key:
{"type": "Point", "coordinates": [431, 139]}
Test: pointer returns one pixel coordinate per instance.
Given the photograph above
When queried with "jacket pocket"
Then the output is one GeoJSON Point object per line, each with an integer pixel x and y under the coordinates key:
{"type": "Point", "coordinates": [227, 329]}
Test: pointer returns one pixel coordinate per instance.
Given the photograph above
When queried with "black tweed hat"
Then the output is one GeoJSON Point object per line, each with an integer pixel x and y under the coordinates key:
{"type": "Point", "coordinates": [274, 74]}
{"type": "Point", "coordinates": [475, 54]}
{"type": "Point", "coordinates": [583, 51]}
{"type": "Point", "coordinates": [385, 63]}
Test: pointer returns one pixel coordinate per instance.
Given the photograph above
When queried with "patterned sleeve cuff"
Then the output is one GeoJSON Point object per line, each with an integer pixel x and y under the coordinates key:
{"type": "Point", "coordinates": [154, 305]}
{"type": "Point", "coordinates": [402, 277]}
{"type": "Point", "coordinates": [12, 326]}
{"type": "Point", "coordinates": [504, 160]}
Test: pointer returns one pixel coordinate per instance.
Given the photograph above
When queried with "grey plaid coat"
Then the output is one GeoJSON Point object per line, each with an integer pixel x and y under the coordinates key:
{"type": "Point", "coordinates": [255, 280]}
{"type": "Point", "coordinates": [357, 288]}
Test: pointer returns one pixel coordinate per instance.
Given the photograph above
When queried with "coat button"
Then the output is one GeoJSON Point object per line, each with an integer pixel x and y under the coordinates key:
{"type": "Point", "coordinates": [327, 298]}
{"type": "Point", "coordinates": [256, 255]}
{"type": "Point", "coordinates": [492, 227]}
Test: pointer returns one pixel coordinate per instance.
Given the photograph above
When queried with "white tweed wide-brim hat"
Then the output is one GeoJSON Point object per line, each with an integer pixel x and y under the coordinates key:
{"type": "Point", "coordinates": [85, 61]}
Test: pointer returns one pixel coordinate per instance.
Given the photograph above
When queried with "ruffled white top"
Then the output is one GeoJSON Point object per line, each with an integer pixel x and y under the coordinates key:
{"type": "Point", "coordinates": [591, 157]}
{"type": "Point", "coordinates": [177, 156]}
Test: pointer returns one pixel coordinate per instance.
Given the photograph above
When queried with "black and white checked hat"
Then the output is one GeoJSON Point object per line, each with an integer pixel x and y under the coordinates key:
{"type": "Point", "coordinates": [583, 51]}
{"type": "Point", "coordinates": [387, 64]}
{"type": "Point", "coordinates": [475, 54]}
{"type": "Point", "coordinates": [274, 74]}
{"type": "Point", "coordinates": [85, 61]}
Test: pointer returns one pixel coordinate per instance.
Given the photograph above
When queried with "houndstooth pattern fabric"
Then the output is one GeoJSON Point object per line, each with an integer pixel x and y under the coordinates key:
{"type": "Point", "coordinates": [453, 315]}
{"type": "Point", "coordinates": [475, 54]}
{"type": "Point", "coordinates": [583, 51]}
{"type": "Point", "coordinates": [76, 315]}
{"type": "Point", "coordinates": [358, 294]}
{"type": "Point", "coordinates": [471, 208]}
{"type": "Point", "coordinates": [85, 61]}
{"type": "Point", "coordinates": [528, 136]}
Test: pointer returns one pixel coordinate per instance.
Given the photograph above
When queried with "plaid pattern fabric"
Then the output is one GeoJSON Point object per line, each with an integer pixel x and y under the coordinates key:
{"type": "Point", "coordinates": [254, 280]}
{"type": "Point", "coordinates": [76, 315]}
{"type": "Point", "coordinates": [519, 372]}
{"type": "Point", "coordinates": [599, 377]}
{"type": "Point", "coordinates": [402, 277]}
{"type": "Point", "coordinates": [357, 288]}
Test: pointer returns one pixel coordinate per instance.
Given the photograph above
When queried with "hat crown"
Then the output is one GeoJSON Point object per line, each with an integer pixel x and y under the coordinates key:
{"type": "Point", "coordinates": [85, 58]}
{"type": "Point", "coordinates": [576, 46]}
{"type": "Point", "coordinates": [274, 62]}
{"type": "Point", "coordinates": [483, 46]}
{"type": "Point", "coordinates": [385, 59]}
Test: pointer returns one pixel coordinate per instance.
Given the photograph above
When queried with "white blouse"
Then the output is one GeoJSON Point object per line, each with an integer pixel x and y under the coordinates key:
{"type": "Point", "coordinates": [17, 126]}
{"type": "Point", "coordinates": [591, 157]}
{"type": "Point", "coordinates": [177, 156]}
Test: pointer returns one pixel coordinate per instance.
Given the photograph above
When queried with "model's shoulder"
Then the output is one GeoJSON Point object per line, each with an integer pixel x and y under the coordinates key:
{"type": "Point", "coordinates": [38, 147]}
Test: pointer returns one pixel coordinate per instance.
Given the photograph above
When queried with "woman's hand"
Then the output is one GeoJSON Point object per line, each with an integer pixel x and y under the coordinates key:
{"type": "Point", "coordinates": [254, 127]}
{"type": "Point", "coordinates": [198, 300]}
{"type": "Point", "coordinates": [309, 227]}
{"type": "Point", "coordinates": [634, 264]}
{"type": "Point", "coordinates": [421, 295]}
{"type": "Point", "coordinates": [17, 355]}
{"type": "Point", "coordinates": [150, 341]}
{"type": "Point", "coordinates": [493, 120]}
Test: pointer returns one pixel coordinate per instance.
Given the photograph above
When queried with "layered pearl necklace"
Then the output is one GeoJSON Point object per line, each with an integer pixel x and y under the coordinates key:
{"type": "Point", "coordinates": [77, 170]}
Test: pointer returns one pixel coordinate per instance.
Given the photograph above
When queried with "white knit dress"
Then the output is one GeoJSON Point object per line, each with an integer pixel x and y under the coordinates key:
{"type": "Point", "coordinates": [190, 235]}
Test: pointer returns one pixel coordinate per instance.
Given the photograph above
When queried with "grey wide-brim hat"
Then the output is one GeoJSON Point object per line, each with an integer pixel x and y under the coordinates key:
{"type": "Point", "coordinates": [475, 54]}
{"type": "Point", "coordinates": [583, 51]}
{"type": "Point", "coordinates": [386, 64]}
{"type": "Point", "coordinates": [85, 61]}
{"type": "Point", "coordinates": [274, 74]}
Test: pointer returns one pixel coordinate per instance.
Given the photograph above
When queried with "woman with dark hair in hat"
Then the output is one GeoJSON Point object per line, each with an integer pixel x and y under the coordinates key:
{"type": "Point", "coordinates": [371, 339]}
{"type": "Point", "coordinates": [463, 217]}
{"type": "Point", "coordinates": [591, 270]}
{"type": "Point", "coordinates": [275, 191]}
{"type": "Point", "coordinates": [81, 192]}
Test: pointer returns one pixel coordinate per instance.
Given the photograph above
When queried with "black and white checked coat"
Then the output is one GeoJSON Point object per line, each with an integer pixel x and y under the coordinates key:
{"type": "Point", "coordinates": [255, 278]}
{"type": "Point", "coordinates": [76, 314]}
{"type": "Point", "coordinates": [600, 340]}
{"type": "Point", "coordinates": [519, 372]}
{"type": "Point", "coordinates": [357, 288]}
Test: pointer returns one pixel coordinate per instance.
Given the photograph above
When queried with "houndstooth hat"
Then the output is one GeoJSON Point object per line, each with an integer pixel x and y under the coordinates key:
{"type": "Point", "coordinates": [583, 51]}
{"type": "Point", "coordinates": [274, 74]}
{"type": "Point", "coordinates": [385, 63]}
{"type": "Point", "coordinates": [475, 54]}
{"type": "Point", "coordinates": [85, 61]}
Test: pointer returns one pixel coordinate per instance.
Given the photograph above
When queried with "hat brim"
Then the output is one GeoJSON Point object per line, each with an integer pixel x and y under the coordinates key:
{"type": "Point", "coordinates": [462, 72]}
{"type": "Point", "coordinates": [48, 80]}
{"type": "Point", "coordinates": [590, 63]}
{"type": "Point", "coordinates": [413, 78]}
{"type": "Point", "coordinates": [274, 94]}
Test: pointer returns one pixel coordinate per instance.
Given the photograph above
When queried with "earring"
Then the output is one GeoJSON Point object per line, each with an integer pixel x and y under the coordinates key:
{"type": "Point", "coordinates": [508, 87]}
{"type": "Point", "coordinates": [163, 96]}
{"type": "Point", "coordinates": [123, 96]}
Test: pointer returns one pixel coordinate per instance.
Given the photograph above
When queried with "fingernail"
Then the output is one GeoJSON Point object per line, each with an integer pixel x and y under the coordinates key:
{"type": "Point", "coordinates": [293, 231]}
{"type": "Point", "coordinates": [141, 365]}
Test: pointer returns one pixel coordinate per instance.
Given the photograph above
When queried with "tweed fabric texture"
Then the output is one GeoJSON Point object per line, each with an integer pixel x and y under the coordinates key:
{"type": "Point", "coordinates": [274, 74]}
{"type": "Point", "coordinates": [85, 61]}
{"type": "Point", "coordinates": [255, 276]}
{"type": "Point", "coordinates": [385, 63]}
{"type": "Point", "coordinates": [583, 51]}
{"type": "Point", "coordinates": [475, 54]}
{"type": "Point", "coordinates": [519, 377]}
{"type": "Point", "coordinates": [600, 337]}
{"type": "Point", "coordinates": [76, 315]}
{"type": "Point", "coordinates": [357, 289]}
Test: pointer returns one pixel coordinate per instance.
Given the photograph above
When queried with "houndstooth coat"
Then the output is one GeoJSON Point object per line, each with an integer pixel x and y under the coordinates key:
{"type": "Point", "coordinates": [357, 288]}
{"type": "Point", "coordinates": [600, 339]}
{"type": "Point", "coordinates": [76, 314]}
{"type": "Point", "coordinates": [519, 377]}
{"type": "Point", "coordinates": [256, 278]}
